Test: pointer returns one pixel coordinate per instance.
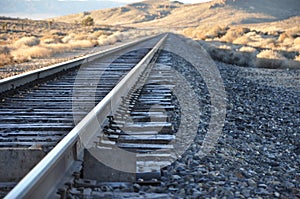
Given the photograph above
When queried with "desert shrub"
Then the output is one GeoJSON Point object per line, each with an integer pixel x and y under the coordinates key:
{"type": "Point", "coordinates": [206, 32]}
{"type": "Point", "coordinates": [234, 55]}
{"type": "Point", "coordinates": [288, 41]}
{"type": "Point", "coordinates": [112, 39]}
{"type": "Point", "coordinates": [268, 43]}
{"type": "Point", "coordinates": [27, 53]}
{"type": "Point", "coordinates": [82, 43]}
{"type": "Point", "coordinates": [91, 37]}
{"type": "Point", "coordinates": [251, 34]}
{"type": "Point", "coordinates": [242, 40]}
{"type": "Point", "coordinates": [88, 21]}
{"type": "Point", "coordinates": [67, 38]}
{"type": "Point", "coordinates": [102, 40]}
{"type": "Point", "coordinates": [270, 54]}
{"type": "Point", "coordinates": [295, 47]}
{"type": "Point", "coordinates": [230, 36]}
{"type": "Point", "coordinates": [5, 59]}
{"type": "Point", "coordinates": [248, 49]}
{"type": "Point", "coordinates": [99, 33]}
{"type": "Point", "coordinates": [27, 41]}
{"type": "Point", "coordinates": [270, 59]}
{"type": "Point", "coordinates": [80, 36]}
{"type": "Point", "coordinates": [38, 51]}
{"type": "Point", "coordinates": [247, 56]}
{"type": "Point", "coordinates": [282, 37]}
{"type": "Point", "coordinates": [223, 53]}
{"type": "Point", "coordinates": [49, 39]}
{"type": "Point", "coordinates": [4, 50]}
{"type": "Point", "coordinates": [58, 47]}
{"type": "Point", "coordinates": [234, 33]}
{"type": "Point", "coordinates": [297, 41]}
{"type": "Point", "coordinates": [293, 32]}
{"type": "Point", "coordinates": [216, 31]}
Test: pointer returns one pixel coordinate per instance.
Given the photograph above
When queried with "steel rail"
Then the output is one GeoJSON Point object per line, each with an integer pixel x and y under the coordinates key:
{"type": "Point", "coordinates": [28, 77]}
{"type": "Point", "coordinates": [42, 180]}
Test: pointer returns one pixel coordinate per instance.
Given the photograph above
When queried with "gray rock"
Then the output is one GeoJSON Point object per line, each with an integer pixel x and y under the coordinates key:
{"type": "Point", "coordinates": [276, 194]}
{"type": "Point", "coordinates": [251, 183]}
{"type": "Point", "coordinates": [176, 177]}
{"type": "Point", "coordinates": [136, 187]}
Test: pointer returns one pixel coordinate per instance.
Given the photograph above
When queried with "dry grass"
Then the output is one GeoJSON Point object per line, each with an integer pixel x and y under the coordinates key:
{"type": "Point", "coordinates": [296, 48]}
{"type": "Point", "coordinates": [4, 50]}
{"type": "Point", "coordinates": [26, 54]}
{"type": "Point", "coordinates": [234, 33]}
{"type": "Point", "coordinates": [297, 41]}
{"type": "Point", "coordinates": [118, 36]}
{"type": "Point", "coordinates": [270, 54]}
{"type": "Point", "coordinates": [18, 47]}
{"type": "Point", "coordinates": [282, 37]}
{"type": "Point", "coordinates": [26, 41]}
{"type": "Point", "coordinates": [77, 44]}
{"type": "Point", "coordinates": [104, 40]}
{"type": "Point", "coordinates": [5, 59]}
{"type": "Point", "coordinates": [99, 33]}
{"type": "Point", "coordinates": [242, 40]}
{"type": "Point", "coordinates": [68, 38]}
{"type": "Point", "coordinates": [268, 43]}
{"type": "Point", "coordinates": [50, 39]}
{"type": "Point", "coordinates": [293, 32]}
{"type": "Point", "coordinates": [250, 47]}
{"type": "Point", "coordinates": [270, 59]}
{"type": "Point", "coordinates": [58, 47]}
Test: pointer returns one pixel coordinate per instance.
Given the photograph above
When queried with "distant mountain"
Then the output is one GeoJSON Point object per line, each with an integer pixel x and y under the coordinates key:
{"type": "Point", "coordinates": [163, 13]}
{"type": "Point", "coordinates": [229, 12]}
{"type": "Point", "coordinates": [134, 13]}
{"type": "Point", "coordinates": [276, 8]}
{"type": "Point", "coordinates": [52, 7]}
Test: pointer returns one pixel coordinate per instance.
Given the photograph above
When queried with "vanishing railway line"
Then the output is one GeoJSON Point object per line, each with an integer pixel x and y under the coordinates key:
{"type": "Point", "coordinates": [130, 97]}
{"type": "Point", "coordinates": [149, 119]}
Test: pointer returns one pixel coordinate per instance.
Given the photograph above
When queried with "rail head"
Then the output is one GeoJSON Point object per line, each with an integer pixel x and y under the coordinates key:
{"type": "Point", "coordinates": [36, 183]}
{"type": "Point", "coordinates": [16, 81]}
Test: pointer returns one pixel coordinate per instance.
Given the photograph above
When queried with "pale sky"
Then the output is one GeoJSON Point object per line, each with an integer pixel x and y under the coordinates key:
{"type": "Point", "coordinates": [183, 1]}
{"type": "Point", "coordinates": [42, 9]}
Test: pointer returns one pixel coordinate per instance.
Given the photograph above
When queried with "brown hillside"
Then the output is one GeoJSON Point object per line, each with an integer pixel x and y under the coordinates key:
{"type": "Point", "coordinates": [130, 14]}
{"type": "Point", "coordinates": [174, 14]}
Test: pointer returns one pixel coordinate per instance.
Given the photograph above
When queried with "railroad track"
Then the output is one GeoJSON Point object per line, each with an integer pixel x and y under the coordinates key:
{"type": "Point", "coordinates": [48, 103]}
{"type": "Point", "coordinates": [107, 120]}
{"type": "Point", "coordinates": [35, 119]}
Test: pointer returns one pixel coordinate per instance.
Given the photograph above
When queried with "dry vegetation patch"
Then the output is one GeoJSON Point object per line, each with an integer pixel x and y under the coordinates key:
{"type": "Point", "coordinates": [27, 53]}
{"type": "Point", "coordinates": [41, 39]}
{"type": "Point", "coordinates": [271, 47]}
{"type": "Point", "coordinates": [270, 59]}
{"type": "Point", "coordinates": [26, 41]}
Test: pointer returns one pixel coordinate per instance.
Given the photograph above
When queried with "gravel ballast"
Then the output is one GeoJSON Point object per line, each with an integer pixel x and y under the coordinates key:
{"type": "Point", "coordinates": [257, 154]}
